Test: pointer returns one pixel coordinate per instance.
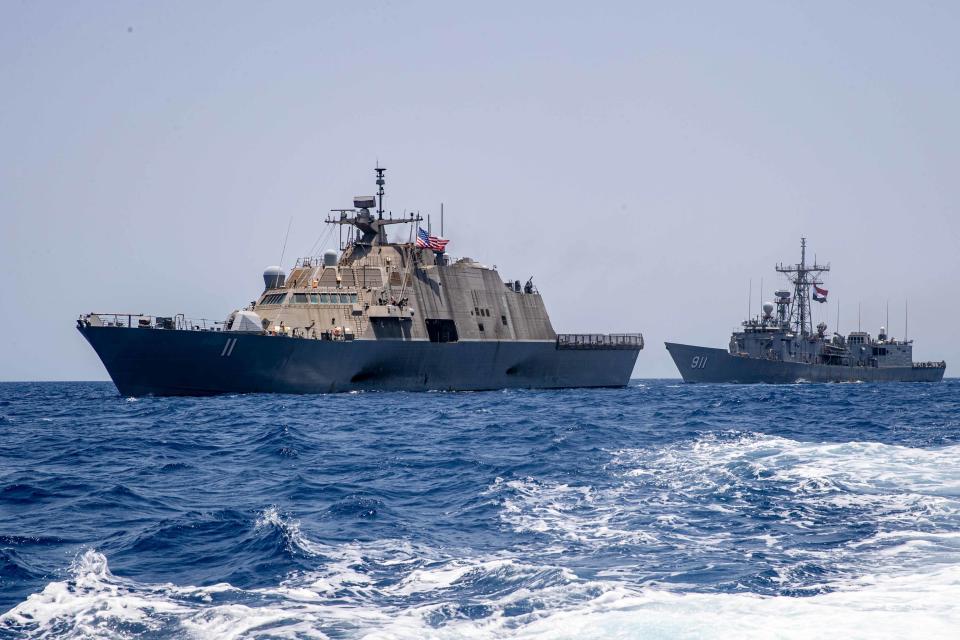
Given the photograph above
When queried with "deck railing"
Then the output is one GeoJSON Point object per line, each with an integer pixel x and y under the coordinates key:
{"type": "Point", "coordinates": [143, 321]}
{"type": "Point", "coordinates": [599, 341]}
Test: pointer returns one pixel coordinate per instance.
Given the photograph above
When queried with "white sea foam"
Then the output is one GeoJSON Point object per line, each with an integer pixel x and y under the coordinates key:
{"type": "Point", "coordinates": [96, 604]}
{"type": "Point", "coordinates": [901, 579]}
{"type": "Point", "coordinates": [798, 489]}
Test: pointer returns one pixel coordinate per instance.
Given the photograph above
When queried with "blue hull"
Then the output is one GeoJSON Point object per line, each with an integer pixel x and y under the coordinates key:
{"type": "Point", "coordinates": [707, 364]}
{"type": "Point", "coordinates": [171, 362]}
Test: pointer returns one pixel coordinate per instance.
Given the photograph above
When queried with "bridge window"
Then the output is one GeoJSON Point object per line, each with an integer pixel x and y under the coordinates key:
{"type": "Point", "coordinates": [324, 298]}
{"type": "Point", "coordinates": [273, 298]}
{"type": "Point", "coordinates": [299, 298]}
{"type": "Point", "coordinates": [353, 298]}
{"type": "Point", "coordinates": [314, 298]}
{"type": "Point", "coordinates": [344, 298]}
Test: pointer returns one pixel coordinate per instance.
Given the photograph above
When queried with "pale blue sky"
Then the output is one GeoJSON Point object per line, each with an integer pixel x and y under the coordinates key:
{"type": "Point", "coordinates": [642, 160]}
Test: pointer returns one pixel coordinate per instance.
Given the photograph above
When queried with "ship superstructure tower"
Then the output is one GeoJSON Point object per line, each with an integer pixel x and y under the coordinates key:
{"type": "Point", "coordinates": [802, 276]}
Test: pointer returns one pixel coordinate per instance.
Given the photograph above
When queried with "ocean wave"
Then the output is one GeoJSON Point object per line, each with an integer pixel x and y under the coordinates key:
{"type": "Point", "coordinates": [95, 603]}
{"type": "Point", "coordinates": [657, 511]}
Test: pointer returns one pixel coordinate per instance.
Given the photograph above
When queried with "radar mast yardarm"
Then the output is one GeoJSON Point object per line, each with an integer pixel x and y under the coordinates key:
{"type": "Point", "coordinates": [802, 276]}
{"type": "Point", "coordinates": [372, 227]}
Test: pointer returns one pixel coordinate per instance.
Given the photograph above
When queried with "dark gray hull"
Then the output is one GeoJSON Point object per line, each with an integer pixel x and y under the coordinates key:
{"type": "Point", "coordinates": [170, 362]}
{"type": "Point", "coordinates": [706, 364]}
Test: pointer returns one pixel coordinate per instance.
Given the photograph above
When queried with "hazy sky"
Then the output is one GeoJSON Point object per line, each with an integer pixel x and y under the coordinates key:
{"type": "Point", "coordinates": [643, 161]}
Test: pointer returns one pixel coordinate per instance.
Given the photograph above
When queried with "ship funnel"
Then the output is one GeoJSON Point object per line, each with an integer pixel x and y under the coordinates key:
{"type": "Point", "coordinates": [330, 258]}
{"type": "Point", "coordinates": [273, 278]}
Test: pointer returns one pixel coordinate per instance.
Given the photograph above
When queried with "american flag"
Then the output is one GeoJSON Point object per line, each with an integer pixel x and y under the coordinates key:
{"type": "Point", "coordinates": [427, 241]}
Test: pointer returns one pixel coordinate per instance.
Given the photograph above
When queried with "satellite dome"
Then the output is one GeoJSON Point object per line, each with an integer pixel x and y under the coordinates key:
{"type": "Point", "coordinates": [767, 309]}
{"type": "Point", "coordinates": [329, 258]}
{"type": "Point", "coordinates": [273, 277]}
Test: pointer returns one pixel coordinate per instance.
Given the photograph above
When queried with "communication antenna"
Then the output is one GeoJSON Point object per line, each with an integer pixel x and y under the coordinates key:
{"type": "Point", "coordinates": [283, 252]}
{"type": "Point", "coordinates": [887, 324]}
{"type": "Point", "coordinates": [761, 293]}
{"type": "Point", "coordinates": [859, 305]}
{"type": "Point", "coordinates": [906, 319]}
{"type": "Point", "coordinates": [441, 219]}
{"type": "Point", "coordinates": [838, 315]}
{"type": "Point", "coordinates": [750, 299]}
{"type": "Point", "coordinates": [380, 182]}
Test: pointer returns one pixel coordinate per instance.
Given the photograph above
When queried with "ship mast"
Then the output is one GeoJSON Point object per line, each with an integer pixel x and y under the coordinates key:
{"type": "Point", "coordinates": [802, 276]}
{"type": "Point", "coordinates": [373, 228]}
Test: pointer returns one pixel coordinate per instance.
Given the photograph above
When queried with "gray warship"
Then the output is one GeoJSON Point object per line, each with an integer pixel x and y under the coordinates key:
{"type": "Point", "coordinates": [377, 315]}
{"type": "Point", "coordinates": [781, 346]}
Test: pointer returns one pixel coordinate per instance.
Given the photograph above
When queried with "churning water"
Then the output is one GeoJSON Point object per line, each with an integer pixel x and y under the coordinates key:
{"type": "Point", "coordinates": [658, 511]}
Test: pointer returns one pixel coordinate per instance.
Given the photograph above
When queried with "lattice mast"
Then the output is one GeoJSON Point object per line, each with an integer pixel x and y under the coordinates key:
{"type": "Point", "coordinates": [802, 276]}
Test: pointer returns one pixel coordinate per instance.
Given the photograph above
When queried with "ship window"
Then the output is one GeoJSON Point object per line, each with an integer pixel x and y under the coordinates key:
{"type": "Point", "coordinates": [503, 319]}
{"type": "Point", "coordinates": [324, 298]}
{"type": "Point", "coordinates": [300, 298]}
{"type": "Point", "coordinates": [314, 298]}
{"type": "Point", "coordinates": [273, 298]}
{"type": "Point", "coordinates": [353, 298]}
{"type": "Point", "coordinates": [344, 298]}
{"type": "Point", "coordinates": [480, 326]}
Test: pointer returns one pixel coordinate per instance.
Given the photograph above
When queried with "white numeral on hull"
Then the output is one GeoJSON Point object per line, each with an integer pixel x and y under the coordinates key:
{"type": "Point", "coordinates": [228, 347]}
{"type": "Point", "coordinates": [699, 362]}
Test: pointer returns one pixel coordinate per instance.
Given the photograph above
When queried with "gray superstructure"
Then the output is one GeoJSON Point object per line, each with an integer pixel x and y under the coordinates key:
{"type": "Point", "coordinates": [781, 345]}
{"type": "Point", "coordinates": [380, 315]}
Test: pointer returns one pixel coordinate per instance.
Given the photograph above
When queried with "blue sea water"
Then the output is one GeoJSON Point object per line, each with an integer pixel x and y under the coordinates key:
{"type": "Point", "coordinates": [661, 510]}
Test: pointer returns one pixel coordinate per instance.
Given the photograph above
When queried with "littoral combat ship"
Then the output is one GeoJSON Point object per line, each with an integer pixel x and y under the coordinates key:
{"type": "Point", "coordinates": [380, 315]}
{"type": "Point", "coordinates": [781, 345]}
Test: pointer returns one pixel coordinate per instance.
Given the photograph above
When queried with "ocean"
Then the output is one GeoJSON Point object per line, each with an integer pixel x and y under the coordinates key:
{"type": "Point", "coordinates": [661, 510]}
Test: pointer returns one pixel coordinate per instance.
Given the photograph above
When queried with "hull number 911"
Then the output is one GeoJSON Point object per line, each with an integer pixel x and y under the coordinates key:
{"type": "Point", "coordinates": [699, 362]}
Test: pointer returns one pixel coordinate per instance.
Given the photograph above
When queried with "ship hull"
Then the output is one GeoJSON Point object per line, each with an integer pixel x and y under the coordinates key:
{"type": "Point", "coordinates": [707, 364]}
{"type": "Point", "coordinates": [172, 362]}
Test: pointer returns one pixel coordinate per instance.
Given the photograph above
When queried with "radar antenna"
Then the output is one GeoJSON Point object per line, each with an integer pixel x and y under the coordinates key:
{"type": "Point", "coordinates": [802, 276]}
{"type": "Point", "coordinates": [373, 229]}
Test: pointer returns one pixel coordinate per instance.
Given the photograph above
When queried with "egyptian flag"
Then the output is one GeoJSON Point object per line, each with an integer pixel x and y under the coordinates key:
{"type": "Point", "coordinates": [820, 295]}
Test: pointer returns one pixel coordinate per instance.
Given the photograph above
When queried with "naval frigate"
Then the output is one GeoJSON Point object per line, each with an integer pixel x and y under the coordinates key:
{"type": "Point", "coordinates": [378, 315]}
{"type": "Point", "coordinates": [781, 346]}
